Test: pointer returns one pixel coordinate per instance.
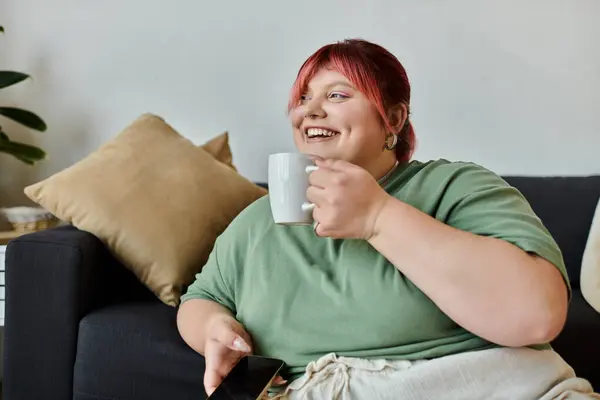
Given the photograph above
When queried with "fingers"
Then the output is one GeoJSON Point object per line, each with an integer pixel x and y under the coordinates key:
{"type": "Point", "coordinates": [279, 381]}
{"type": "Point", "coordinates": [217, 369]}
{"type": "Point", "coordinates": [227, 342]}
{"type": "Point", "coordinates": [316, 195]}
{"type": "Point", "coordinates": [212, 379]}
{"type": "Point", "coordinates": [232, 335]}
{"type": "Point", "coordinates": [325, 177]}
{"type": "Point", "coordinates": [220, 360]}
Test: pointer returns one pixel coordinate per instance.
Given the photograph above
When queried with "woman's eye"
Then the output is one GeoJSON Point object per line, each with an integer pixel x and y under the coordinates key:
{"type": "Point", "coordinates": [337, 95]}
{"type": "Point", "coordinates": [304, 98]}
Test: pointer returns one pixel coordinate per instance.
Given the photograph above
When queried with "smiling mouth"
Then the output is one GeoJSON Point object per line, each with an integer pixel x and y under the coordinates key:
{"type": "Point", "coordinates": [320, 133]}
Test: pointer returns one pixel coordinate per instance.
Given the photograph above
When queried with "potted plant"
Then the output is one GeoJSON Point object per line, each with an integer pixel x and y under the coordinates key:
{"type": "Point", "coordinates": [23, 219]}
{"type": "Point", "coordinates": [24, 152]}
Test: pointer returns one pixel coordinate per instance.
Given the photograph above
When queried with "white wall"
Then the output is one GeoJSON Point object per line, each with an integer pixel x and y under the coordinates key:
{"type": "Point", "coordinates": [511, 84]}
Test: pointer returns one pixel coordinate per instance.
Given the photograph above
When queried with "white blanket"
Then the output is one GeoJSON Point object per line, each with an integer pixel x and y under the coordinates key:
{"type": "Point", "coordinates": [502, 373]}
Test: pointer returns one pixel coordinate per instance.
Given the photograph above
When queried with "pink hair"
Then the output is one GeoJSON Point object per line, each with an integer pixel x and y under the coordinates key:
{"type": "Point", "coordinates": [374, 71]}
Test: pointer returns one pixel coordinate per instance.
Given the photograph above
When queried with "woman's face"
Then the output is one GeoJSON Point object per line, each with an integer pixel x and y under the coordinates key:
{"type": "Point", "coordinates": [335, 121]}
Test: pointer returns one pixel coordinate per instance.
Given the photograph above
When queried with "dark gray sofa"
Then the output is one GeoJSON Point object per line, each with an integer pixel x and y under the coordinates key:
{"type": "Point", "coordinates": [79, 325]}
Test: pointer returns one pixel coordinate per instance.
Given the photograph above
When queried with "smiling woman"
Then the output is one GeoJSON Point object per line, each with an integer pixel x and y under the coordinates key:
{"type": "Point", "coordinates": [401, 289]}
{"type": "Point", "coordinates": [363, 94]}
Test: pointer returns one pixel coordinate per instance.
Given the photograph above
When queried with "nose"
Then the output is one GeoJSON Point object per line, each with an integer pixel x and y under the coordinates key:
{"type": "Point", "coordinates": [314, 110]}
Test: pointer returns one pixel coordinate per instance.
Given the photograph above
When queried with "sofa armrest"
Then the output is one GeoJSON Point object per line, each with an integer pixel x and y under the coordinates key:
{"type": "Point", "coordinates": [53, 279]}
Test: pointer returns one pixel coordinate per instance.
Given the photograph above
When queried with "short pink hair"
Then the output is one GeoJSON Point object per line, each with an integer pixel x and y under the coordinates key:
{"type": "Point", "coordinates": [374, 71]}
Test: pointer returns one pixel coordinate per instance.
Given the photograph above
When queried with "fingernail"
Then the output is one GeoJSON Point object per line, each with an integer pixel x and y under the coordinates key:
{"type": "Point", "coordinates": [241, 345]}
{"type": "Point", "coordinates": [279, 381]}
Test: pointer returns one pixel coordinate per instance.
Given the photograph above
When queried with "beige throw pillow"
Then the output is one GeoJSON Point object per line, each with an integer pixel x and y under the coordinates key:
{"type": "Point", "coordinates": [218, 146]}
{"type": "Point", "coordinates": [590, 264]}
{"type": "Point", "coordinates": [154, 198]}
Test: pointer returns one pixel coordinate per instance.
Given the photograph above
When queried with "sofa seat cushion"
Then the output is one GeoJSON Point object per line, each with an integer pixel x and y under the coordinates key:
{"type": "Point", "coordinates": [134, 350]}
{"type": "Point", "coordinates": [578, 342]}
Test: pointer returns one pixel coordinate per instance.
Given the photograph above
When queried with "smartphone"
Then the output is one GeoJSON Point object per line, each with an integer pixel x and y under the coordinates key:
{"type": "Point", "coordinates": [249, 379]}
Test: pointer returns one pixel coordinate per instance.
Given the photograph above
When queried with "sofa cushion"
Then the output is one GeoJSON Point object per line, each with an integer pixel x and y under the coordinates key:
{"type": "Point", "coordinates": [566, 206]}
{"type": "Point", "coordinates": [157, 200]}
{"type": "Point", "coordinates": [134, 351]}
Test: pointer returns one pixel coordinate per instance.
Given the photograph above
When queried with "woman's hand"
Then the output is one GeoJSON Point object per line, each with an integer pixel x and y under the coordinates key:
{"type": "Point", "coordinates": [347, 200]}
{"type": "Point", "coordinates": [226, 343]}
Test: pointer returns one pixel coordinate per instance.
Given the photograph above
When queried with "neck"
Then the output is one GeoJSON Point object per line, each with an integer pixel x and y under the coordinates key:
{"type": "Point", "coordinates": [382, 169]}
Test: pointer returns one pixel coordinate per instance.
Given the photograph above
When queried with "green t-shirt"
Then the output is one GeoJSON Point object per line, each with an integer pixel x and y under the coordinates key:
{"type": "Point", "coordinates": [301, 296]}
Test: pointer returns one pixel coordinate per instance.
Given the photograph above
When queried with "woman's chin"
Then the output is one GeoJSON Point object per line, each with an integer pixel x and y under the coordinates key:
{"type": "Point", "coordinates": [317, 149]}
{"type": "Point", "coordinates": [318, 153]}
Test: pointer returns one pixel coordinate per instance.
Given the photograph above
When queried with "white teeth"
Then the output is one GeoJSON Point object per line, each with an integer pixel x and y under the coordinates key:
{"type": "Point", "coordinates": [313, 132]}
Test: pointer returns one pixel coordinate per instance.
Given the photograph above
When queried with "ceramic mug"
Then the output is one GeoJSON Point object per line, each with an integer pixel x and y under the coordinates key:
{"type": "Point", "coordinates": [288, 183]}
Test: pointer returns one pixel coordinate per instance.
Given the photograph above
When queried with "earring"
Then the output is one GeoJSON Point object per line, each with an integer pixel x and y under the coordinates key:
{"type": "Point", "coordinates": [388, 145]}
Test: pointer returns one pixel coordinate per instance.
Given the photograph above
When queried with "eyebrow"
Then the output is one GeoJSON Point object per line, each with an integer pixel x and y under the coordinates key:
{"type": "Point", "coordinates": [340, 83]}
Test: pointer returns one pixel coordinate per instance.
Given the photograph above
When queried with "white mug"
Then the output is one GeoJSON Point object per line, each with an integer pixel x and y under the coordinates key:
{"type": "Point", "coordinates": [288, 183]}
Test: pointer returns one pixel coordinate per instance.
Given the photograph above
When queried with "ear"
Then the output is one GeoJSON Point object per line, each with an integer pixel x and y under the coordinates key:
{"type": "Point", "coordinates": [398, 116]}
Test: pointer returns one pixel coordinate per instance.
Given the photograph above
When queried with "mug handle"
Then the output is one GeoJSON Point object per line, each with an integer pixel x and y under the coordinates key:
{"type": "Point", "coordinates": [308, 170]}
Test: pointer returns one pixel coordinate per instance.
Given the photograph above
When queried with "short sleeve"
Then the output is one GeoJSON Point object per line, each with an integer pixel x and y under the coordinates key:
{"type": "Point", "coordinates": [211, 283]}
{"type": "Point", "coordinates": [477, 200]}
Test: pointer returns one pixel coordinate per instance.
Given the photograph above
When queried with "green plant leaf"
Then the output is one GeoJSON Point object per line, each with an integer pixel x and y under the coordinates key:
{"type": "Point", "coordinates": [22, 151]}
{"type": "Point", "coordinates": [19, 157]}
{"type": "Point", "coordinates": [9, 78]}
{"type": "Point", "coordinates": [24, 117]}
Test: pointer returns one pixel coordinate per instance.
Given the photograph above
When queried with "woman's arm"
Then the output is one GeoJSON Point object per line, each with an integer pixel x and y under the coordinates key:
{"type": "Point", "coordinates": [488, 286]}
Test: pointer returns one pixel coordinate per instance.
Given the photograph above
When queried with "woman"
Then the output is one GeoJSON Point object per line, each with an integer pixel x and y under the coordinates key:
{"type": "Point", "coordinates": [408, 261]}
